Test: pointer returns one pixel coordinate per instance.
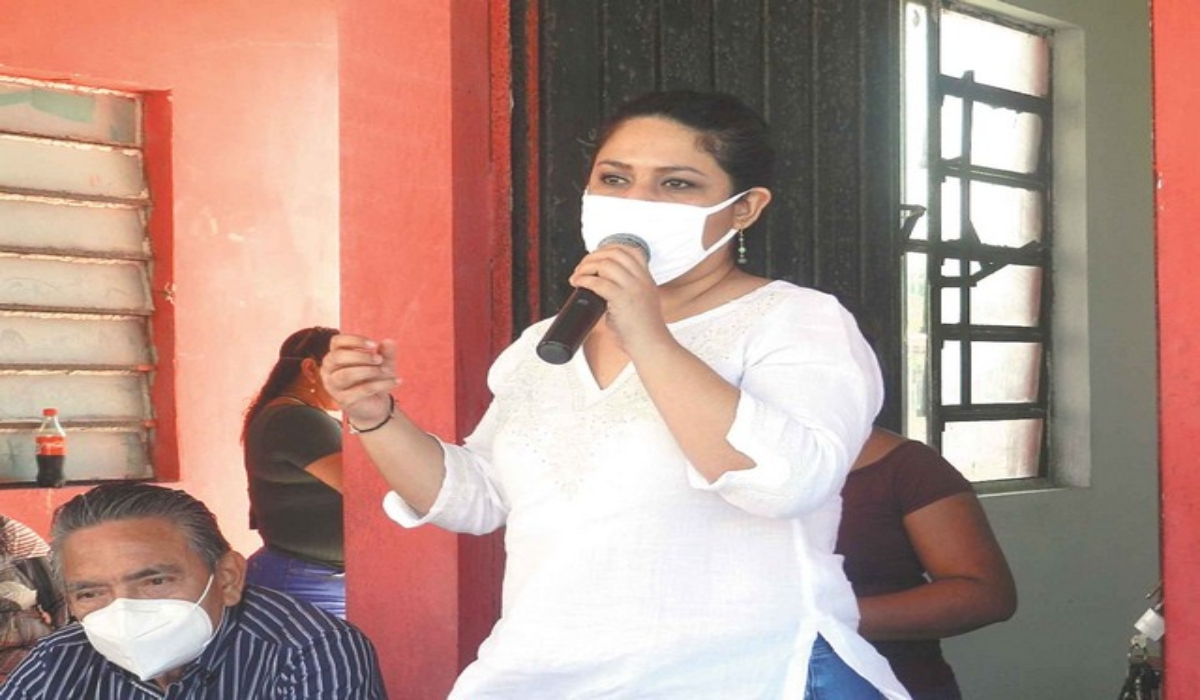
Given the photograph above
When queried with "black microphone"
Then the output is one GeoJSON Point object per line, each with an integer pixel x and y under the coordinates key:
{"type": "Point", "coordinates": [582, 311]}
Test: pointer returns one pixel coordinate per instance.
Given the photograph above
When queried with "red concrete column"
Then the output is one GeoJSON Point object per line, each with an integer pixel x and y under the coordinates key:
{"type": "Point", "coordinates": [1177, 150]}
{"type": "Point", "coordinates": [421, 236]}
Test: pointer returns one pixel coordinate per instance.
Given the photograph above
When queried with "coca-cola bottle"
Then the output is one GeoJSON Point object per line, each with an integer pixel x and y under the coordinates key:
{"type": "Point", "coordinates": [51, 450]}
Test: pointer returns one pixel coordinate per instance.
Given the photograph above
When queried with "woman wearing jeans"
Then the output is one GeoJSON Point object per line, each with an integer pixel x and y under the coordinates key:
{"type": "Point", "coordinates": [293, 454]}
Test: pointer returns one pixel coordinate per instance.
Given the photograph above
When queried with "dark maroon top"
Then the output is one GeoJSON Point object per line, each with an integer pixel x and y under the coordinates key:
{"type": "Point", "coordinates": [879, 556]}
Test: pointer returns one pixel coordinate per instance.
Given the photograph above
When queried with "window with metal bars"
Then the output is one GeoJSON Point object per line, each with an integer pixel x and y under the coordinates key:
{"type": "Point", "coordinates": [977, 240]}
{"type": "Point", "coordinates": [75, 261]}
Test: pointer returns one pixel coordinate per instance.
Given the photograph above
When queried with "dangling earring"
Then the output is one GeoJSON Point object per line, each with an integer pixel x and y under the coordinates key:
{"type": "Point", "coordinates": [312, 389]}
{"type": "Point", "coordinates": [741, 258]}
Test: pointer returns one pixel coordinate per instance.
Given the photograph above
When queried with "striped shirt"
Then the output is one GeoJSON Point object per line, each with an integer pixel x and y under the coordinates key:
{"type": "Point", "coordinates": [269, 646]}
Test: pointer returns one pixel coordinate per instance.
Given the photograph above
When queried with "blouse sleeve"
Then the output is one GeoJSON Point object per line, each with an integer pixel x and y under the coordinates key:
{"type": "Point", "coordinates": [923, 477]}
{"type": "Point", "coordinates": [810, 390]}
{"type": "Point", "coordinates": [299, 435]}
{"type": "Point", "coordinates": [471, 499]}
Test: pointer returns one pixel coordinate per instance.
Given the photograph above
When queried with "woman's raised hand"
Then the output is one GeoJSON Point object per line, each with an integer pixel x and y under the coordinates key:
{"type": "Point", "coordinates": [360, 373]}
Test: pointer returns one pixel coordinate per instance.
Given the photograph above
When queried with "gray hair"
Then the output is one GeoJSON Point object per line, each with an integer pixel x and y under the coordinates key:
{"type": "Point", "coordinates": [128, 500]}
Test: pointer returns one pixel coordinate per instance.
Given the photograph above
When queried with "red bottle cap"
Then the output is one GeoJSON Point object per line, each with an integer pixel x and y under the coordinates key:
{"type": "Point", "coordinates": [49, 411]}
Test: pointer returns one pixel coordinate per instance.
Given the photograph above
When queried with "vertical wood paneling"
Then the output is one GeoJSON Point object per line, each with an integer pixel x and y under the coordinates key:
{"type": "Point", "coordinates": [632, 47]}
{"type": "Point", "coordinates": [822, 72]}
{"type": "Point", "coordinates": [571, 69]}
{"type": "Point", "coordinates": [737, 49]}
{"type": "Point", "coordinates": [836, 159]}
{"type": "Point", "coordinates": [879, 269]}
{"type": "Point", "coordinates": [687, 44]}
{"type": "Point", "coordinates": [525, 217]}
{"type": "Point", "coordinates": [784, 246]}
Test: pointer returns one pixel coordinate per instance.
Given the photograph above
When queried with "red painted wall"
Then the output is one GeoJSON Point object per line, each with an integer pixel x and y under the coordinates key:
{"type": "Point", "coordinates": [253, 147]}
{"type": "Point", "coordinates": [423, 248]}
{"type": "Point", "coordinates": [244, 158]}
{"type": "Point", "coordinates": [1177, 151]}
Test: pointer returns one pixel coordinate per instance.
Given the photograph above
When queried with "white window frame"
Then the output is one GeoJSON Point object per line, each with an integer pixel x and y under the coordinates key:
{"type": "Point", "coordinates": [1065, 453]}
{"type": "Point", "coordinates": [76, 331]}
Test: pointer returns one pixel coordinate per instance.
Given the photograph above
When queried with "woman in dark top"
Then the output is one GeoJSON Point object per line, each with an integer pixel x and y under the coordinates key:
{"type": "Point", "coordinates": [293, 453]}
{"type": "Point", "coordinates": [921, 557]}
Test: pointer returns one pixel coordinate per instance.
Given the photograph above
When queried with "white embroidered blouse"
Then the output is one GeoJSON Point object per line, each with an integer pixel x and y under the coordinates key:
{"type": "Point", "coordinates": [628, 574]}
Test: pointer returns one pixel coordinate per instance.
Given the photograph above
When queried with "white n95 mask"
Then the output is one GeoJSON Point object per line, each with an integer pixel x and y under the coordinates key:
{"type": "Point", "coordinates": [150, 637]}
{"type": "Point", "coordinates": [674, 232]}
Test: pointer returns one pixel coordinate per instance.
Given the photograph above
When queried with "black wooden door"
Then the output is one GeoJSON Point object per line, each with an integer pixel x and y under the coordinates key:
{"type": "Point", "coordinates": [823, 73]}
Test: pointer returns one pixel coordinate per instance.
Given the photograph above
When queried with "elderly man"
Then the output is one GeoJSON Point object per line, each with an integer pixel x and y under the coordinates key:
{"type": "Point", "coordinates": [164, 612]}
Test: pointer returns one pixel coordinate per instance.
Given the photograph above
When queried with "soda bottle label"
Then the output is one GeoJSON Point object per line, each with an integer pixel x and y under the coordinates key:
{"type": "Point", "coordinates": [50, 445]}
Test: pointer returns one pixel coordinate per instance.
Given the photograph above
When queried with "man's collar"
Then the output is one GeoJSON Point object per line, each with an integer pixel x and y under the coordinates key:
{"type": "Point", "coordinates": [209, 660]}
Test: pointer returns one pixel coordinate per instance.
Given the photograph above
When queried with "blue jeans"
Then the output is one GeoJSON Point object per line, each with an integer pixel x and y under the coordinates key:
{"type": "Point", "coordinates": [323, 586]}
{"type": "Point", "coordinates": [829, 678]}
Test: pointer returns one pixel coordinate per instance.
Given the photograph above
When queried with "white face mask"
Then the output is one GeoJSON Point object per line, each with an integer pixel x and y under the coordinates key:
{"type": "Point", "coordinates": [674, 232]}
{"type": "Point", "coordinates": [150, 637]}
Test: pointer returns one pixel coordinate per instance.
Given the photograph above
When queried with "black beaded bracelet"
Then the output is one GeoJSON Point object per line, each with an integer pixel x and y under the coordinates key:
{"type": "Point", "coordinates": [390, 415]}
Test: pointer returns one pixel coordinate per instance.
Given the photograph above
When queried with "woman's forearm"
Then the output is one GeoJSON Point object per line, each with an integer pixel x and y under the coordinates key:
{"type": "Point", "coordinates": [410, 460]}
{"type": "Point", "coordinates": [942, 608]}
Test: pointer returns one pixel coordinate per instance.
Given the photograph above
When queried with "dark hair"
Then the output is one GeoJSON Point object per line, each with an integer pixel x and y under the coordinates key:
{"type": "Point", "coordinates": [306, 343]}
{"type": "Point", "coordinates": [729, 130]}
{"type": "Point", "coordinates": [5, 545]}
{"type": "Point", "coordinates": [127, 500]}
